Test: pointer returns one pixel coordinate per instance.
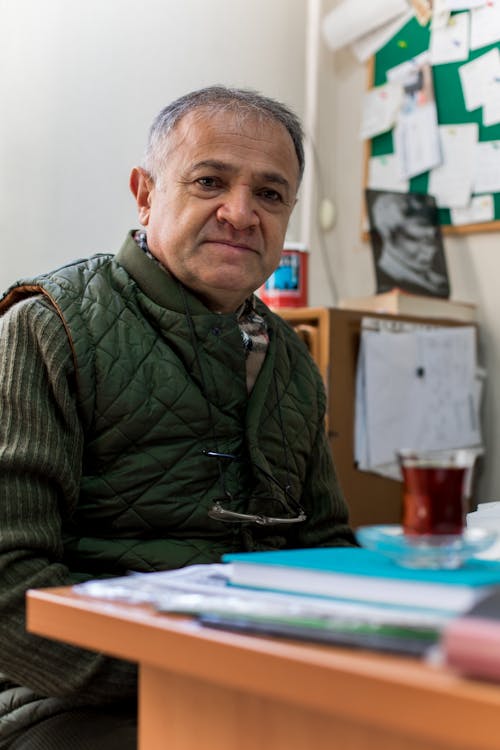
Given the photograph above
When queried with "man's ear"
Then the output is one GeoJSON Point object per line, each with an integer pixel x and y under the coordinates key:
{"type": "Point", "coordinates": [141, 185]}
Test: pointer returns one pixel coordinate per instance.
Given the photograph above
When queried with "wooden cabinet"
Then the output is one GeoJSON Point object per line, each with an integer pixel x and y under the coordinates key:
{"type": "Point", "coordinates": [333, 337]}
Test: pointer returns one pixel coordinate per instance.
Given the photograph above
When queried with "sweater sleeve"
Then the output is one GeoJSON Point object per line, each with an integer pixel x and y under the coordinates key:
{"type": "Point", "coordinates": [41, 443]}
{"type": "Point", "coordinates": [327, 513]}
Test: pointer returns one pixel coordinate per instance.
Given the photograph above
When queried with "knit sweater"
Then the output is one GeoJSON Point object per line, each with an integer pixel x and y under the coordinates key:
{"type": "Point", "coordinates": [41, 444]}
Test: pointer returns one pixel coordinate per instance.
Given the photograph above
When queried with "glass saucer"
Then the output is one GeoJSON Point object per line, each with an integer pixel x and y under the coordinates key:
{"type": "Point", "coordinates": [426, 551]}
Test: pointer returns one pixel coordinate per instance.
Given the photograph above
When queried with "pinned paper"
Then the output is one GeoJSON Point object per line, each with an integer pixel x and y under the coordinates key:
{"type": "Point", "coordinates": [450, 42]}
{"type": "Point", "coordinates": [480, 209]}
{"type": "Point", "coordinates": [477, 75]}
{"type": "Point", "coordinates": [491, 106]}
{"type": "Point", "coordinates": [384, 173]}
{"type": "Point", "coordinates": [487, 167]}
{"type": "Point", "coordinates": [380, 109]}
{"type": "Point", "coordinates": [465, 4]}
{"type": "Point", "coordinates": [416, 135]}
{"type": "Point", "coordinates": [451, 183]}
{"type": "Point", "coordinates": [485, 25]}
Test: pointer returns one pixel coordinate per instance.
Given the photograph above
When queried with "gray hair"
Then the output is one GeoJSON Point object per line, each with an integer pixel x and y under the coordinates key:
{"type": "Point", "coordinates": [243, 102]}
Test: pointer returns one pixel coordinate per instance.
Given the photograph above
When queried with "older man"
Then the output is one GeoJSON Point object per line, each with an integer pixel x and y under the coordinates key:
{"type": "Point", "coordinates": [155, 413]}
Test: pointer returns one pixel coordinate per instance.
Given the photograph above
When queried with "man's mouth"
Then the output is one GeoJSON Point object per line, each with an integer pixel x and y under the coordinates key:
{"type": "Point", "coordinates": [231, 243]}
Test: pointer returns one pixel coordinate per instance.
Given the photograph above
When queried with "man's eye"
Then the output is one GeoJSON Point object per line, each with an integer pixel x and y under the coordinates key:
{"type": "Point", "coordinates": [271, 195]}
{"type": "Point", "coordinates": [208, 182]}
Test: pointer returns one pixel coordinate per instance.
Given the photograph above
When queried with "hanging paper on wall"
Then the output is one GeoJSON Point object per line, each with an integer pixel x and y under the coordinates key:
{"type": "Point", "coordinates": [450, 43]}
{"type": "Point", "coordinates": [416, 135]}
{"type": "Point", "coordinates": [487, 167]}
{"type": "Point", "coordinates": [384, 173]}
{"type": "Point", "coordinates": [480, 209]}
{"type": "Point", "coordinates": [451, 183]}
{"type": "Point", "coordinates": [380, 109]}
{"type": "Point", "coordinates": [485, 25]}
{"type": "Point", "coordinates": [476, 76]}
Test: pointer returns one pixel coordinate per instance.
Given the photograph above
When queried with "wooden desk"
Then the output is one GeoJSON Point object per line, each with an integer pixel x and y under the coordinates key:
{"type": "Point", "coordinates": [210, 689]}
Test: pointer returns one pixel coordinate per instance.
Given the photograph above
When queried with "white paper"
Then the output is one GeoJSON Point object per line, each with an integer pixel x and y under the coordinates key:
{"type": "Point", "coordinates": [451, 183]}
{"type": "Point", "coordinates": [450, 42]}
{"type": "Point", "coordinates": [480, 209]}
{"type": "Point", "coordinates": [464, 4]}
{"type": "Point", "coordinates": [196, 589]}
{"type": "Point", "coordinates": [487, 167]}
{"type": "Point", "coordinates": [406, 69]}
{"type": "Point", "coordinates": [369, 44]}
{"type": "Point", "coordinates": [476, 76]}
{"type": "Point", "coordinates": [416, 141]}
{"type": "Point", "coordinates": [491, 106]}
{"type": "Point", "coordinates": [485, 25]}
{"type": "Point", "coordinates": [380, 109]}
{"type": "Point", "coordinates": [417, 389]}
{"type": "Point", "coordinates": [384, 173]}
{"type": "Point", "coordinates": [416, 136]}
{"type": "Point", "coordinates": [352, 19]}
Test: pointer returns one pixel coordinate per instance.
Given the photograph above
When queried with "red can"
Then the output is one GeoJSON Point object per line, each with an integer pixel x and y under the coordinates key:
{"type": "Point", "coordinates": [287, 286]}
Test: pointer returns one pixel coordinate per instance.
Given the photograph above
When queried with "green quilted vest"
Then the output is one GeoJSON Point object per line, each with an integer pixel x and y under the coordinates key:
{"type": "Point", "coordinates": [141, 382]}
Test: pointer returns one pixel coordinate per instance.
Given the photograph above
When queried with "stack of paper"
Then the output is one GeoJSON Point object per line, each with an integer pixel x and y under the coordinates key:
{"type": "Point", "coordinates": [207, 591]}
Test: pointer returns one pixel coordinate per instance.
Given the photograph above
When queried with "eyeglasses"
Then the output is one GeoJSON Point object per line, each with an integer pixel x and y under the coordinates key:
{"type": "Point", "coordinates": [222, 514]}
{"type": "Point", "coordinates": [219, 513]}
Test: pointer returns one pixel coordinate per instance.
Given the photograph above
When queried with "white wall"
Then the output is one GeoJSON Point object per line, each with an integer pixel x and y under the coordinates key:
{"type": "Point", "coordinates": [81, 81]}
{"type": "Point", "coordinates": [473, 260]}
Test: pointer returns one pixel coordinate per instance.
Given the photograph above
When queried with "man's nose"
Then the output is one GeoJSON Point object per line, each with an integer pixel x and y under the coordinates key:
{"type": "Point", "coordinates": [238, 209]}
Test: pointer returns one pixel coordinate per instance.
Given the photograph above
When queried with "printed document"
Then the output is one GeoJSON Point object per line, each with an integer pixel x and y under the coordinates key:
{"type": "Point", "coordinates": [487, 167]}
{"type": "Point", "coordinates": [416, 135]}
{"type": "Point", "coordinates": [451, 183]}
{"type": "Point", "coordinates": [476, 76]}
{"type": "Point", "coordinates": [416, 388]}
{"type": "Point", "coordinates": [384, 173]}
{"type": "Point", "coordinates": [381, 106]}
{"type": "Point", "coordinates": [480, 209]}
{"type": "Point", "coordinates": [485, 25]}
{"type": "Point", "coordinates": [369, 44]}
{"type": "Point", "coordinates": [450, 43]}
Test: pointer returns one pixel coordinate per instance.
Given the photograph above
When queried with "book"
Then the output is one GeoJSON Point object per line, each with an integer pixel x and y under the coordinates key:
{"type": "Point", "coordinates": [399, 302]}
{"type": "Point", "coordinates": [359, 574]}
{"type": "Point", "coordinates": [470, 643]}
{"type": "Point", "coordinates": [409, 639]}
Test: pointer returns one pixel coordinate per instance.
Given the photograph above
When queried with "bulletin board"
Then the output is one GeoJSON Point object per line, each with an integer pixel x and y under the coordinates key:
{"type": "Point", "coordinates": [410, 41]}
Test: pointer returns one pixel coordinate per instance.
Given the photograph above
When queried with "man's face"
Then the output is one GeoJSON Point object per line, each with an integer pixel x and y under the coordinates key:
{"type": "Point", "coordinates": [417, 242]}
{"type": "Point", "coordinates": [218, 213]}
